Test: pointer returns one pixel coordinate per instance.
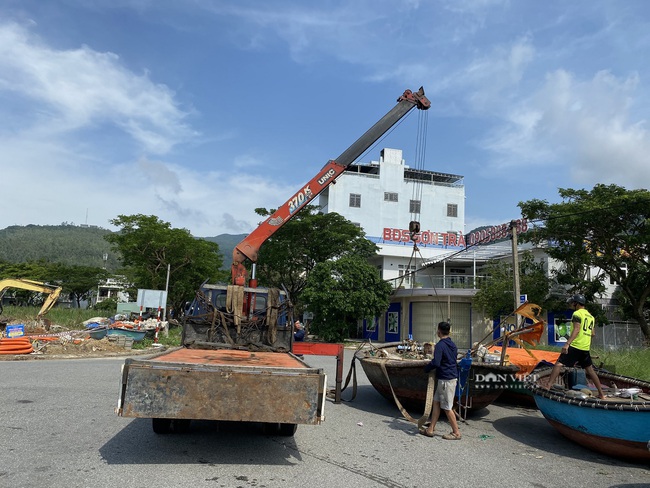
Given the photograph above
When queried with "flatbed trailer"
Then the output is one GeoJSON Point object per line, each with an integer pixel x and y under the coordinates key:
{"type": "Point", "coordinates": [273, 388]}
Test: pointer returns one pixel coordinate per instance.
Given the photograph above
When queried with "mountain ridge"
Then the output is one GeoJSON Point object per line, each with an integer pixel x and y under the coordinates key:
{"type": "Point", "coordinates": [82, 245]}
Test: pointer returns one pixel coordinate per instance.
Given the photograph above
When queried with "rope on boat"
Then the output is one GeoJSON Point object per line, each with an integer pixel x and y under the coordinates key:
{"type": "Point", "coordinates": [353, 373]}
{"type": "Point", "coordinates": [429, 399]}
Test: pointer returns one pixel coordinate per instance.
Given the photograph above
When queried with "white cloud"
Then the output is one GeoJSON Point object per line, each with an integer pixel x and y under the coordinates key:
{"type": "Point", "coordinates": [585, 127]}
{"type": "Point", "coordinates": [59, 176]}
{"type": "Point", "coordinates": [72, 89]}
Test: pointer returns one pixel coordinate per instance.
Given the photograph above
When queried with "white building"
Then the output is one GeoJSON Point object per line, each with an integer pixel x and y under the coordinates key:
{"type": "Point", "coordinates": [384, 196]}
{"type": "Point", "coordinates": [112, 288]}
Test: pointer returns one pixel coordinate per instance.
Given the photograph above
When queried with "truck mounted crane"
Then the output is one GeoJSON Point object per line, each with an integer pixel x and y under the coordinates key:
{"type": "Point", "coordinates": [236, 362]}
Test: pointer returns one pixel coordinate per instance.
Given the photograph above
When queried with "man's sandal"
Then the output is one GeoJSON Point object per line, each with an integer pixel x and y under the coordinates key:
{"type": "Point", "coordinates": [452, 437]}
{"type": "Point", "coordinates": [425, 433]}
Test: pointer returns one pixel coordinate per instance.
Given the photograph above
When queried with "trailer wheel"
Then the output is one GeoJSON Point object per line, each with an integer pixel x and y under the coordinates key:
{"type": "Point", "coordinates": [287, 430]}
{"type": "Point", "coordinates": [161, 426]}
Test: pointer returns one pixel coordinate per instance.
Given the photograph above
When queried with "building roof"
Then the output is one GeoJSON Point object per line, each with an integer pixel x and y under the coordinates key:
{"type": "Point", "coordinates": [409, 173]}
{"type": "Point", "coordinates": [474, 253]}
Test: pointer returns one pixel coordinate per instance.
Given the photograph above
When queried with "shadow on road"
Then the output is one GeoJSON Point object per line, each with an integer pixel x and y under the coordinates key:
{"type": "Point", "coordinates": [206, 442]}
{"type": "Point", "coordinates": [534, 431]}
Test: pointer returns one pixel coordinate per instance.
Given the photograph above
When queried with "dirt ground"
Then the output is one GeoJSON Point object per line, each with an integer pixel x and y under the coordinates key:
{"type": "Point", "coordinates": [57, 343]}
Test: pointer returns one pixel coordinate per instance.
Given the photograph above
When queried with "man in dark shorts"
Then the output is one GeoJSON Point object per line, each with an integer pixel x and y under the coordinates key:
{"type": "Point", "coordinates": [576, 349]}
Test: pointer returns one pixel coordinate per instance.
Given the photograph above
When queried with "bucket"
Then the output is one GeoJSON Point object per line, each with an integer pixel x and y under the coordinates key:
{"type": "Point", "coordinates": [577, 377]}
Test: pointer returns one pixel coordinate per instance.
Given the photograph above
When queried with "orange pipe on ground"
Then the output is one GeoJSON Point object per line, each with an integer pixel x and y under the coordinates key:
{"type": "Point", "coordinates": [15, 345]}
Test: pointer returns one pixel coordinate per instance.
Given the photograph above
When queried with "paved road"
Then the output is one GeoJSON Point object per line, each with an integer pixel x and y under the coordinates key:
{"type": "Point", "coordinates": [58, 429]}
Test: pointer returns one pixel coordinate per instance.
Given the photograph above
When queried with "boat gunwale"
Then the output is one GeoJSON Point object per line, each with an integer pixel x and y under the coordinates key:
{"type": "Point", "coordinates": [560, 396]}
{"type": "Point", "coordinates": [510, 368]}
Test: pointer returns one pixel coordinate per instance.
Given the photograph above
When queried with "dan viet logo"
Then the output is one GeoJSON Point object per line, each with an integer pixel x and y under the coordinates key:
{"type": "Point", "coordinates": [502, 381]}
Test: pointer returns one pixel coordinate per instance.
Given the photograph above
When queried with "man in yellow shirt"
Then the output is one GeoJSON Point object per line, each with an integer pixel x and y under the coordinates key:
{"type": "Point", "coordinates": [576, 349]}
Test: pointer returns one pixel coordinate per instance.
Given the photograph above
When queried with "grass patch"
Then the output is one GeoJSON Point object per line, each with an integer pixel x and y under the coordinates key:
{"type": "Point", "coordinates": [173, 339]}
{"type": "Point", "coordinates": [68, 318]}
{"type": "Point", "coordinates": [73, 319]}
{"type": "Point", "coordinates": [628, 362]}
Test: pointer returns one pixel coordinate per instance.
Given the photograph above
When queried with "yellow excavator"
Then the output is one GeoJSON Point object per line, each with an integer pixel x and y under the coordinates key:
{"type": "Point", "coordinates": [52, 291]}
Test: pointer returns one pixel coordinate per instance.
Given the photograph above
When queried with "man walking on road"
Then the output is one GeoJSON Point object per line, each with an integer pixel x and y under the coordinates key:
{"type": "Point", "coordinates": [444, 362]}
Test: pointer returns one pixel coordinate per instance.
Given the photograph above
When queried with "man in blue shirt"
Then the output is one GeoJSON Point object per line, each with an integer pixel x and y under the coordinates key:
{"type": "Point", "coordinates": [445, 355]}
{"type": "Point", "coordinates": [299, 334]}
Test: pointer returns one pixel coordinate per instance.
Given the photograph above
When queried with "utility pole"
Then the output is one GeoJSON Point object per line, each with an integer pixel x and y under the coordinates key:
{"type": "Point", "coordinates": [515, 268]}
{"type": "Point", "coordinates": [169, 267]}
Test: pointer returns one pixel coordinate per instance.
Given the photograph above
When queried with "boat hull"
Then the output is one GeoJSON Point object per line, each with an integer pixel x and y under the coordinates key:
{"type": "Point", "coordinates": [618, 427]}
{"type": "Point", "coordinates": [486, 382]}
{"type": "Point", "coordinates": [97, 333]}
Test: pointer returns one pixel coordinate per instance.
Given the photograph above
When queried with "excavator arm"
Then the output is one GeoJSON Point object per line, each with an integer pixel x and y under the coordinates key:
{"type": "Point", "coordinates": [250, 246]}
{"type": "Point", "coordinates": [53, 292]}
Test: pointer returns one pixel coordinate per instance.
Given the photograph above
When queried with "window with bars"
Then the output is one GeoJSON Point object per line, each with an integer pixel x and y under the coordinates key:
{"type": "Point", "coordinates": [355, 200]}
{"type": "Point", "coordinates": [414, 206]}
{"type": "Point", "coordinates": [390, 196]}
{"type": "Point", "coordinates": [452, 210]}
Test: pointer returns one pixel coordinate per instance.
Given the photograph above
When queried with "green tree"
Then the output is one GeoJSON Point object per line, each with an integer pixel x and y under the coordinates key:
{"type": "Point", "coordinates": [341, 292]}
{"type": "Point", "coordinates": [31, 270]}
{"type": "Point", "coordinates": [149, 245]}
{"type": "Point", "coordinates": [638, 278]}
{"type": "Point", "coordinates": [495, 294]}
{"type": "Point", "coordinates": [604, 229]}
{"type": "Point", "coordinates": [290, 255]}
{"type": "Point", "coordinates": [78, 281]}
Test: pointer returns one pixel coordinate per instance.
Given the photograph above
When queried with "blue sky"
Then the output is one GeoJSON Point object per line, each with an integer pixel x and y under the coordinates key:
{"type": "Point", "coordinates": [202, 110]}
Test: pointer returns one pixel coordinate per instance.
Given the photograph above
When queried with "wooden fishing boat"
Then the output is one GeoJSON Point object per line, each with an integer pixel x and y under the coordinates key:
{"type": "Point", "coordinates": [618, 426]}
{"type": "Point", "coordinates": [400, 366]}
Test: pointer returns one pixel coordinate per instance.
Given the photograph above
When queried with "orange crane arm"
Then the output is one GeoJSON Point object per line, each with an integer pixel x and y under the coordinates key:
{"type": "Point", "coordinates": [250, 246]}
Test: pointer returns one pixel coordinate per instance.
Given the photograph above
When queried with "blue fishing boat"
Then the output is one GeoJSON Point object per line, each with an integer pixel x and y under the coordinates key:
{"type": "Point", "coordinates": [135, 334]}
{"type": "Point", "coordinates": [97, 332]}
{"type": "Point", "coordinates": [618, 425]}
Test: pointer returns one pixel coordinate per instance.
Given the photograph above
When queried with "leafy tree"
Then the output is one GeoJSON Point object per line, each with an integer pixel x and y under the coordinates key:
{"type": "Point", "coordinates": [638, 279]}
{"type": "Point", "coordinates": [605, 228]}
{"type": "Point", "coordinates": [341, 292]}
{"type": "Point", "coordinates": [495, 294]}
{"type": "Point", "coordinates": [148, 245]}
{"type": "Point", "coordinates": [108, 305]}
{"type": "Point", "coordinates": [290, 255]}
{"type": "Point", "coordinates": [79, 281]}
{"type": "Point", "coordinates": [30, 270]}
